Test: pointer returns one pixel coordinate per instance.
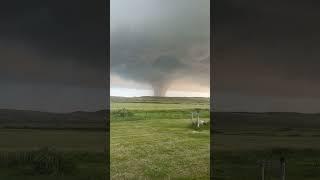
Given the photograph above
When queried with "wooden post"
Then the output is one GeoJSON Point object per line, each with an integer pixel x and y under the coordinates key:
{"type": "Point", "coordinates": [283, 168]}
{"type": "Point", "coordinates": [122, 113]}
{"type": "Point", "coordinates": [192, 117]}
{"type": "Point", "coordinates": [198, 121]}
{"type": "Point", "coordinates": [262, 170]}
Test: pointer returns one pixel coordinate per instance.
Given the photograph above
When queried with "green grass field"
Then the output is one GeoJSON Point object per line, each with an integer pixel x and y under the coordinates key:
{"type": "Point", "coordinates": [152, 138]}
{"type": "Point", "coordinates": [36, 145]}
{"type": "Point", "coordinates": [243, 140]}
{"type": "Point", "coordinates": [156, 141]}
{"type": "Point", "coordinates": [82, 149]}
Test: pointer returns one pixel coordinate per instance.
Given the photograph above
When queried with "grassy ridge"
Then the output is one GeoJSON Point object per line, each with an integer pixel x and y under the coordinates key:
{"type": "Point", "coordinates": [266, 120]}
{"type": "Point", "coordinates": [11, 119]}
{"type": "Point", "coordinates": [160, 100]}
{"type": "Point", "coordinates": [159, 103]}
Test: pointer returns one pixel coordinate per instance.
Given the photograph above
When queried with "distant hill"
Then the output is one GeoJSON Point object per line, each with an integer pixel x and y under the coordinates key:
{"type": "Point", "coordinates": [155, 99]}
{"type": "Point", "coordinates": [266, 120]}
{"type": "Point", "coordinates": [35, 119]}
{"type": "Point", "coordinates": [97, 120]}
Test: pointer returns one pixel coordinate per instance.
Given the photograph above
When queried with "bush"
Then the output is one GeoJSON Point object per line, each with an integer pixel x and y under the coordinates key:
{"type": "Point", "coordinates": [122, 114]}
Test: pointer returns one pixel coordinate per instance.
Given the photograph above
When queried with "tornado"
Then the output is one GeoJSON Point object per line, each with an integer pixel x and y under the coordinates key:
{"type": "Point", "coordinates": [159, 89]}
{"type": "Point", "coordinates": [162, 73]}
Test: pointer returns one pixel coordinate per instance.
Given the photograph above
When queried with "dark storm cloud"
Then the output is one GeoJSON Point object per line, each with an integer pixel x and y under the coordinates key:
{"type": "Point", "coordinates": [164, 41]}
{"type": "Point", "coordinates": [158, 63]}
{"type": "Point", "coordinates": [268, 49]}
{"type": "Point", "coordinates": [66, 39]}
{"type": "Point", "coordinates": [53, 55]}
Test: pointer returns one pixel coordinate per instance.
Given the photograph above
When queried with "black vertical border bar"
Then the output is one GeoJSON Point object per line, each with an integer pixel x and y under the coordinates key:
{"type": "Point", "coordinates": [107, 146]}
{"type": "Point", "coordinates": [212, 81]}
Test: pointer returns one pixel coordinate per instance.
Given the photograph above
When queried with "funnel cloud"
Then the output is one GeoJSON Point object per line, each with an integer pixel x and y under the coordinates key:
{"type": "Point", "coordinates": [162, 73]}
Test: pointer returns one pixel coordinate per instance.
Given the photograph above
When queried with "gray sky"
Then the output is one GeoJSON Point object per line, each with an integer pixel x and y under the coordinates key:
{"type": "Point", "coordinates": [267, 55]}
{"type": "Point", "coordinates": [52, 55]}
{"type": "Point", "coordinates": [161, 44]}
{"type": "Point", "coordinates": [53, 52]}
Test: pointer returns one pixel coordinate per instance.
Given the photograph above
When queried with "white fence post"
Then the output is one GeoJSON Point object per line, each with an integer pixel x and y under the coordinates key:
{"type": "Point", "coordinates": [198, 121]}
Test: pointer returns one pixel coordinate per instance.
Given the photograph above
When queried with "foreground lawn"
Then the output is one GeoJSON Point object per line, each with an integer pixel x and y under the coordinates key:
{"type": "Point", "coordinates": [161, 144]}
{"type": "Point", "coordinates": [238, 153]}
{"type": "Point", "coordinates": [75, 154]}
{"type": "Point", "coordinates": [158, 149]}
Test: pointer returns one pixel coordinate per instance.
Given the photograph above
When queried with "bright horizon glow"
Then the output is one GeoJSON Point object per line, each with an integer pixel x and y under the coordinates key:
{"type": "Point", "coordinates": [127, 92]}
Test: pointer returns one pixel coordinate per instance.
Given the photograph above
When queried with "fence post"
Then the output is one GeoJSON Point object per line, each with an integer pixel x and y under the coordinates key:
{"type": "Point", "coordinates": [198, 120]}
{"type": "Point", "coordinates": [262, 169]}
{"type": "Point", "coordinates": [283, 168]}
{"type": "Point", "coordinates": [192, 117]}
